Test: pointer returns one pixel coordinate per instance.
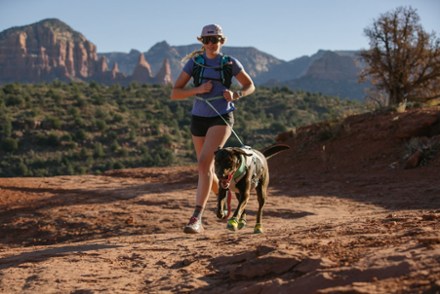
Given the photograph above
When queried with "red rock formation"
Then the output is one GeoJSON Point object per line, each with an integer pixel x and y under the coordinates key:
{"type": "Point", "coordinates": [50, 50]}
{"type": "Point", "coordinates": [102, 65]}
{"type": "Point", "coordinates": [163, 77]}
{"type": "Point", "coordinates": [101, 73]}
{"type": "Point", "coordinates": [115, 71]}
{"type": "Point", "coordinates": [45, 50]}
{"type": "Point", "coordinates": [142, 72]}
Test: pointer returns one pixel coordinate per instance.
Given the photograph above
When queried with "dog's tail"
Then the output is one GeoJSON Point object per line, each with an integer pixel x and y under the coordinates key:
{"type": "Point", "coordinates": [270, 151]}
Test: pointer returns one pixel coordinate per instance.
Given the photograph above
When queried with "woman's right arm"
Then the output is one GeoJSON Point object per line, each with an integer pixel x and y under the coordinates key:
{"type": "Point", "coordinates": [180, 92]}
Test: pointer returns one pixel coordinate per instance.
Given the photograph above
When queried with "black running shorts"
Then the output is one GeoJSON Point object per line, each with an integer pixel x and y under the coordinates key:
{"type": "Point", "coordinates": [200, 125]}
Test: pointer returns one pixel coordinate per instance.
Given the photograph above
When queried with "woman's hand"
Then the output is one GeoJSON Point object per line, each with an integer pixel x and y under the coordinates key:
{"type": "Point", "coordinates": [229, 95]}
{"type": "Point", "coordinates": [204, 88]}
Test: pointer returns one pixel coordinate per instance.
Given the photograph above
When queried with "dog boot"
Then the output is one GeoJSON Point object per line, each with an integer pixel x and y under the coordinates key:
{"type": "Point", "coordinates": [258, 229]}
{"type": "Point", "coordinates": [242, 223]}
{"type": "Point", "coordinates": [232, 224]}
{"type": "Point", "coordinates": [194, 226]}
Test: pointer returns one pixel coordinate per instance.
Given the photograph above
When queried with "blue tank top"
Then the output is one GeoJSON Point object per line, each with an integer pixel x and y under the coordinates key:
{"type": "Point", "coordinates": [211, 71]}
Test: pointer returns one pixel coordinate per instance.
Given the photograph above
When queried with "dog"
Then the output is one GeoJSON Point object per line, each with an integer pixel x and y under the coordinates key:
{"type": "Point", "coordinates": [241, 169]}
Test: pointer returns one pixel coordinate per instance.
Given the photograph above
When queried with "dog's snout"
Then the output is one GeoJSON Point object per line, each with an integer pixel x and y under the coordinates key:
{"type": "Point", "coordinates": [227, 176]}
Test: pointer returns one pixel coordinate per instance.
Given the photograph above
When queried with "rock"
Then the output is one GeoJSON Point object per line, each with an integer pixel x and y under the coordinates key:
{"type": "Point", "coordinates": [418, 125]}
{"type": "Point", "coordinates": [50, 49]}
{"type": "Point", "coordinates": [43, 51]}
{"type": "Point", "coordinates": [142, 72]}
{"type": "Point", "coordinates": [414, 160]}
{"type": "Point", "coordinates": [163, 77]}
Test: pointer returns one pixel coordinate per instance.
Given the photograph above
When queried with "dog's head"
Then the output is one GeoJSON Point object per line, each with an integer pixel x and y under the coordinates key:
{"type": "Point", "coordinates": [227, 162]}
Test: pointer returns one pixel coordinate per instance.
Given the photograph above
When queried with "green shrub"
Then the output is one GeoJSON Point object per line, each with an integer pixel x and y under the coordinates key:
{"type": "Point", "coordinates": [9, 145]}
{"type": "Point", "coordinates": [87, 128]}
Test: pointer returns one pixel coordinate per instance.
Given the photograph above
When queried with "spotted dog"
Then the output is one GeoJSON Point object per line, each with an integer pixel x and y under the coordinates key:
{"type": "Point", "coordinates": [240, 169]}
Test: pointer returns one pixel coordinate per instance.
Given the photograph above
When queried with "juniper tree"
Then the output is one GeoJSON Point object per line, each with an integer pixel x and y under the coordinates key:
{"type": "Point", "coordinates": [403, 60]}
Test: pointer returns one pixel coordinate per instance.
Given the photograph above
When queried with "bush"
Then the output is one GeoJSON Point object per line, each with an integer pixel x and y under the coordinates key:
{"type": "Point", "coordinates": [9, 145]}
{"type": "Point", "coordinates": [98, 150]}
{"type": "Point", "coordinates": [51, 122]}
{"type": "Point", "coordinates": [277, 127]}
{"type": "Point", "coordinates": [14, 101]}
{"type": "Point", "coordinates": [6, 128]}
{"type": "Point", "coordinates": [104, 127]}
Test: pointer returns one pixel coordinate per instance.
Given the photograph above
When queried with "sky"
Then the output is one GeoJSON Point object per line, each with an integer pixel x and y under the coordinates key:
{"type": "Point", "coordinates": [286, 29]}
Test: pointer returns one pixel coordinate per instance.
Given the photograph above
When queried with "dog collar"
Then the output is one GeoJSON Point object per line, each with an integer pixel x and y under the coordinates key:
{"type": "Point", "coordinates": [239, 173]}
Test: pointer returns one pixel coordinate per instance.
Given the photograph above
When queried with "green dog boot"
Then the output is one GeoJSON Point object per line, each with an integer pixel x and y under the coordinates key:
{"type": "Point", "coordinates": [258, 229]}
{"type": "Point", "coordinates": [232, 224]}
{"type": "Point", "coordinates": [242, 223]}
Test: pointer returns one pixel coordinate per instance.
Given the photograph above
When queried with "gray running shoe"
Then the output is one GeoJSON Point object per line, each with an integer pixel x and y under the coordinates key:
{"type": "Point", "coordinates": [194, 226]}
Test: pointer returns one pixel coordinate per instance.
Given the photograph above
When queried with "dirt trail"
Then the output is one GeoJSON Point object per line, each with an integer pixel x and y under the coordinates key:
{"type": "Point", "coordinates": [331, 226]}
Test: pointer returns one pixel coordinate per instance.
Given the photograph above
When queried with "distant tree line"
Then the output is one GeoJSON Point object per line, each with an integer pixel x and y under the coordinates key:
{"type": "Point", "coordinates": [78, 128]}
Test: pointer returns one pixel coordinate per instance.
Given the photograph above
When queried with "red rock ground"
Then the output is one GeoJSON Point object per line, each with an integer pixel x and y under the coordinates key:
{"type": "Point", "coordinates": [352, 209]}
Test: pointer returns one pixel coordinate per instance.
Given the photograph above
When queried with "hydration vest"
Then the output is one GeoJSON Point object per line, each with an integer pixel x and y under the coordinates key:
{"type": "Point", "coordinates": [225, 70]}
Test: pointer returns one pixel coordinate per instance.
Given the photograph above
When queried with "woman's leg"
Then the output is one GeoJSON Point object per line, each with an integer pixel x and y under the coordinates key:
{"type": "Point", "coordinates": [205, 148]}
{"type": "Point", "coordinates": [216, 137]}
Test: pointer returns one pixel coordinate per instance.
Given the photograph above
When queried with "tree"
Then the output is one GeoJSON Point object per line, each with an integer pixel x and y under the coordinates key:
{"type": "Point", "coordinates": [403, 60]}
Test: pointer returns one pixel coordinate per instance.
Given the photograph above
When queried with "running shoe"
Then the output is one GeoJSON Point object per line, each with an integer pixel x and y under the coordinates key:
{"type": "Point", "coordinates": [194, 226]}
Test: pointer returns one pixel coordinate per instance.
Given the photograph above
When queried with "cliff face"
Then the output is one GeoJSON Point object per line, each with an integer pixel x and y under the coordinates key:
{"type": "Point", "coordinates": [49, 50]}
{"type": "Point", "coordinates": [142, 71]}
{"type": "Point", "coordinates": [163, 77]}
{"type": "Point", "coordinates": [334, 67]}
{"type": "Point", "coordinates": [46, 50]}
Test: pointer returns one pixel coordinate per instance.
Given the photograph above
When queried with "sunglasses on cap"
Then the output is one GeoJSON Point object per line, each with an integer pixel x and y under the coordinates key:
{"type": "Point", "coordinates": [212, 39]}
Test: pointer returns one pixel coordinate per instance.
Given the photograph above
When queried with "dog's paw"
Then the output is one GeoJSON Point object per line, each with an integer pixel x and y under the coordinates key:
{"type": "Point", "coordinates": [241, 223]}
{"type": "Point", "coordinates": [222, 214]}
{"type": "Point", "coordinates": [232, 224]}
{"type": "Point", "coordinates": [258, 229]}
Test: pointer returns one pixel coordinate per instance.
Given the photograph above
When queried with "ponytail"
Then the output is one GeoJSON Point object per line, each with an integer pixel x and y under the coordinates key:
{"type": "Point", "coordinates": [193, 54]}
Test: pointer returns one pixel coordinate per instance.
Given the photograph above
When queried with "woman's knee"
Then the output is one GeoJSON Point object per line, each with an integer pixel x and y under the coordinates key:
{"type": "Point", "coordinates": [206, 164]}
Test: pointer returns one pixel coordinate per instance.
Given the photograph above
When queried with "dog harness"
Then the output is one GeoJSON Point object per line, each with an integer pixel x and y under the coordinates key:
{"type": "Point", "coordinates": [247, 162]}
{"type": "Point", "coordinates": [241, 171]}
{"type": "Point", "coordinates": [258, 169]}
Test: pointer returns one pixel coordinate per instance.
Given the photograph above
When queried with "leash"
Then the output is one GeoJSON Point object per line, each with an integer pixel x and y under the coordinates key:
{"type": "Point", "coordinates": [228, 204]}
{"type": "Point", "coordinates": [208, 101]}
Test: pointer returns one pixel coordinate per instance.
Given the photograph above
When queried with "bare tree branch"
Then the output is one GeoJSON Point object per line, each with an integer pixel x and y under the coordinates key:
{"type": "Point", "coordinates": [403, 60]}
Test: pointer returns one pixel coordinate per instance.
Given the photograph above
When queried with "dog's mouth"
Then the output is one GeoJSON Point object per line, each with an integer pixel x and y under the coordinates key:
{"type": "Point", "coordinates": [225, 182]}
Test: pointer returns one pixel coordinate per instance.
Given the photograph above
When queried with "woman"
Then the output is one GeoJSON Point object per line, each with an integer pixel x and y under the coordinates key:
{"type": "Point", "coordinates": [212, 108]}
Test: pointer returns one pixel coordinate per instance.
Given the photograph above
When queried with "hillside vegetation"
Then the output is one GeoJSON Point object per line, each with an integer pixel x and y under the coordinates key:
{"type": "Point", "coordinates": [80, 128]}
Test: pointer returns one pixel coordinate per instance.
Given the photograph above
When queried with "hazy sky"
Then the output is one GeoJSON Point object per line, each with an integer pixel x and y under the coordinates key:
{"type": "Point", "coordinates": [286, 29]}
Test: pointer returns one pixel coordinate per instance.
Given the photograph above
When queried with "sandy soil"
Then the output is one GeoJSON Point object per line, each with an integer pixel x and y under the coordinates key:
{"type": "Point", "coordinates": [344, 216]}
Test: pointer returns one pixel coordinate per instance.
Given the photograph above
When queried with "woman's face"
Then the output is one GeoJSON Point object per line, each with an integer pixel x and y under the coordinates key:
{"type": "Point", "coordinates": [212, 44]}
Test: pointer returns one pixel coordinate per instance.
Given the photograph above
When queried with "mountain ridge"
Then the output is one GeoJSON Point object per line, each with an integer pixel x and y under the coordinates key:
{"type": "Point", "coordinates": [338, 74]}
{"type": "Point", "coordinates": [32, 53]}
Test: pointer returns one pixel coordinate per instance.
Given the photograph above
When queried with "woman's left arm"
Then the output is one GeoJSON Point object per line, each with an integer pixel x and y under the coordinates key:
{"type": "Point", "coordinates": [247, 87]}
